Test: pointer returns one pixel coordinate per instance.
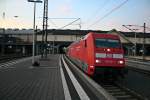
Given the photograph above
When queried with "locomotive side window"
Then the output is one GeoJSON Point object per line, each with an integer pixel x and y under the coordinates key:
{"type": "Point", "coordinates": [85, 44]}
{"type": "Point", "coordinates": [107, 43]}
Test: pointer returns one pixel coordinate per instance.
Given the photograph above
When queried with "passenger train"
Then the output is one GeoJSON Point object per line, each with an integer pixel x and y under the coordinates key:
{"type": "Point", "coordinates": [98, 53]}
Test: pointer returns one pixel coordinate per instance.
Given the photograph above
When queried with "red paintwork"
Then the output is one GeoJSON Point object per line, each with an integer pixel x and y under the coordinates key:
{"type": "Point", "coordinates": [84, 51]}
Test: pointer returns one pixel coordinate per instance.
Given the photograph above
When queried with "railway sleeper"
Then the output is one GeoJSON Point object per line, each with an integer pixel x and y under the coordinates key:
{"type": "Point", "coordinates": [112, 87]}
{"type": "Point", "coordinates": [118, 93]}
{"type": "Point", "coordinates": [123, 96]}
{"type": "Point", "coordinates": [113, 90]}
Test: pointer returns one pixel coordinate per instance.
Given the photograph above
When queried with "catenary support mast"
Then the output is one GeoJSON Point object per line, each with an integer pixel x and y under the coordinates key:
{"type": "Point", "coordinates": [44, 33]}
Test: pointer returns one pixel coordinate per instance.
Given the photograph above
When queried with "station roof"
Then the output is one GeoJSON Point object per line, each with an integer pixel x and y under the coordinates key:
{"type": "Point", "coordinates": [73, 32]}
{"type": "Point", "coordinates": [67, 32]}
{"type": "Point", "coordinates": [16, 31]}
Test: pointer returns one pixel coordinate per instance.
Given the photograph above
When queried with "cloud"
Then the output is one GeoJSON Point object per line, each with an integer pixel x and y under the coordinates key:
{"type": "Point", "coordinates": [65, 9]}
{"type": "Point", "coordinates": [109, 24]}
{"type": "Point", "coordinates": [61, 10]}
{"type": "Point", "coordinates": [11, 23]}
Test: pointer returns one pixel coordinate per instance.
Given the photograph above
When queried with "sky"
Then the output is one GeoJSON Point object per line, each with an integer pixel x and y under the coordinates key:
{"type": "Point", "coordinates": [86, 14]}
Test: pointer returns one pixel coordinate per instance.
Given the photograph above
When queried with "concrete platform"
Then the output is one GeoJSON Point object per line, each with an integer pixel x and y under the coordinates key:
{"type": "Point", "coordinates": [146, 58]}
{"type": "Point", "coordinates": [138, 63]}
{"type": "Point", "coordinates": [23, 82]}
{"type": "Point", "coordinates": [54, 79]}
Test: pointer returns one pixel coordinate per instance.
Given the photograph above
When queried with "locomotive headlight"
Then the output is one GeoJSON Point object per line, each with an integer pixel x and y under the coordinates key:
{"type": "Point", "coordinates": [108, 50]}
{"type": "Point", "coordinates": [97, 61]}
{"type": "Point", "coordinates": [121, 62]}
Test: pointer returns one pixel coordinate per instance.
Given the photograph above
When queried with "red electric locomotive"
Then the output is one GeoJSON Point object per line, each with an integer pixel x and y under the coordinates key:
{"type": "Point", "coordinates": [98, 53]}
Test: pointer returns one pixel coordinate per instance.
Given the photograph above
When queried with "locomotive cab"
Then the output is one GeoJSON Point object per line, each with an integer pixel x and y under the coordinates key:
{"type": "Point", "coordinates": [98, 53]}
{"type": "Point", "coordinates": [109, 54]}
{"type": "Point", "coordinates": [105, 53]}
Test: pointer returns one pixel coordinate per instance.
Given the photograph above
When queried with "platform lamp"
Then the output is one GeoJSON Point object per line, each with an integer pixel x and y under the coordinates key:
{"type": "Point", "coordinates": [135, 35]}
{"type": "Point", "coordinates": [144, 31]}
{"type": "Point", "coordinates": [34, 63]}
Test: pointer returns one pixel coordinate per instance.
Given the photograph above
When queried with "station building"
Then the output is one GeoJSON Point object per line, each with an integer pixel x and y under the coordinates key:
{"type": "Point", "coordinates": [15, 41]}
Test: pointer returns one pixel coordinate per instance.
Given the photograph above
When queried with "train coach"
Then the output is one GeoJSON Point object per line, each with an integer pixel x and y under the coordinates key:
{"type": "Point", "coordinates": [98, 53]}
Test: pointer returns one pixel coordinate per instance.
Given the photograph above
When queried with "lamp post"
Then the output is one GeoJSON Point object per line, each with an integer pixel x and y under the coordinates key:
{"type": "Point", "coordinates": [143, 47]}
{"type": "Point", "coordinates": [135, 40]}
{"type": "Point", "coordinates": [144, 31]}
{"type": "Point", "coordinates": [3, 36]}
{"type": "Point", "coordinates": [33, 45]}
{"type": "Point", "coordinates": [135, 36]}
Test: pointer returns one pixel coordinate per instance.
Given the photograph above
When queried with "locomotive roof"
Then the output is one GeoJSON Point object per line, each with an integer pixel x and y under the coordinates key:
{"type": "Point", "coordinates": [104, 35]}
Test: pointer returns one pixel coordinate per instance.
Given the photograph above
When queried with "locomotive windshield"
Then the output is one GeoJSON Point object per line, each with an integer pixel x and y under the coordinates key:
{"type": "Point", "coordinates": [107, 43]}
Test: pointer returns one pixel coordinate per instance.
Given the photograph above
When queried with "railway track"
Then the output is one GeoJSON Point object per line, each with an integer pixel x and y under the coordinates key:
{"type": "Point", "coordinates": [7, 58]}
{"type": "Point", "coordinates": [120, 92]}
{"type": "Point", "coordinates": [117, 90]}
{"type": "Point", "coordinates": [138, 59]}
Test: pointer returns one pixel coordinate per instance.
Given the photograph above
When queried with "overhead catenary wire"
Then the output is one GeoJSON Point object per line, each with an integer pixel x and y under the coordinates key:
{"type": "Point", "coordinates": [94, 15]}
{"type": "Point", "coordinates": [107, 14]}
{"type": "Point", "coordinates": [58, 18]}
{"type": "Point", "coordinates": [70, 23]}
{"type": "Point", "coordinates": [53, 23]}
{"type": "Point", "coordinates": [76, 19]}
